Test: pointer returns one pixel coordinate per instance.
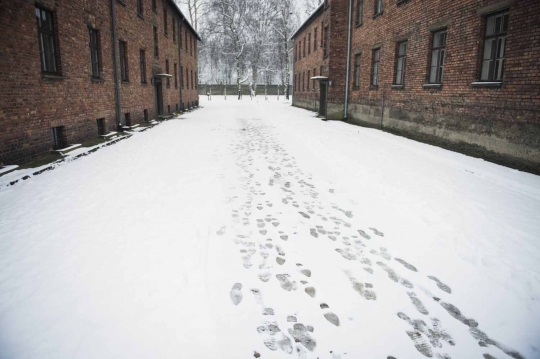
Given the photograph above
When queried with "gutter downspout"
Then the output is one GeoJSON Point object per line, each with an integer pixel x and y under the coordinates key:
{"type": "Point", "coordinates": [180, 68]}
{"type": "Point", "coordinates": [346, 107]}
{"type": "Point", "coordinates": [115, 65]}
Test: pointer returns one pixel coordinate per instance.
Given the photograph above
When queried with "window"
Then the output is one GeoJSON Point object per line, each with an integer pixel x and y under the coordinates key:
{"type": "Point", "coordinates": [167, 71]}
{"type": "Point", "coordinates": [376, 59]}
{"type": "Point", "coordinates": [47, 46]}
{"type": "Point", "coordinates": [308, 79]}
{"type": "Point", "coordinates": [127, 119]}
{"type": "Point", "coordinates": [154, 5]}
{"type": "Point", "coordinates": [156, 45]}
{"type": "Point", "coordinates": [303, 82]}
{"type": "Point", "coordinates": [173, 25]}
{"type": "Point", "coordinates": [140, 8]}
{"type": "Point", "coordinates": [401, 62]}
{"type": "Point", "coordinates": [176, 107]}
{"type": "Point", "coordinates": [175, 77]}
{"type": "Point", "coordinates": [182, 76]}
{"type": "Point", "coordinates": [168, 109]}
{"type": "Point", "coordinates": [378, 7]}
{"type": "Point", "coordinates": [322, 34]}
{"type": "Point", "coordinates": [191, 45]}
{"type": "Point", "coordinates": [309, 44]}
{"type": "Point", "coordinates": [123, 61]}
{"type": "Point", "coordinates": [165, 27]}
{"type": "Point", "coordinates": [359, 12]}
{"type": "Point", "coordinates": [196, 80]}
{"type": "Point", "coordinates": [192, 80]}
{"type": "Point", "coordinates": [357, 61]}
{"type": "Point", "coordinates": [304, 48]}
{"type": "Point", "coordinates": [101, 127]}
{"type": "Point", "coordinates": [145, 114]}
{"type": "Point", "coordinates": [315, 39]}
{"type": "Point", "coordinates": [143, 66]}
{"type": "Point", "coordinates": [313, 81]}
{"type": "Point", "coordinates": [438, 51]}
{"type": "Point", "coordinates": [93, 43]}
{"type": "Point", "coordinates": [187, 50]}
{"type": "Point", "coordinates": [59, 139]}
{"type": "Point", "coordinates": [321, 70]}
{"type": "Point", "coordinates": [325, 46]}
{"type": "Point", "coordinates": [494, 46]}
{"type": "Point", "coordinates": [187, 79]}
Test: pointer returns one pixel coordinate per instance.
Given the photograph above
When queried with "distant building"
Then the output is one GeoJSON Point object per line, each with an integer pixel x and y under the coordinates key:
{"type": "Point", "coordinates": [58, 75]}
{"type": "Point", "coordinates": [461, 74]}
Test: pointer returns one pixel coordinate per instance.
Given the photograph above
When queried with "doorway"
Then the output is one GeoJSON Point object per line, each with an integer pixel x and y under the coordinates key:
{"type": "Point", "coordinates": [323, 98]}
{"type": "Point", "coordinates": [159, 95]}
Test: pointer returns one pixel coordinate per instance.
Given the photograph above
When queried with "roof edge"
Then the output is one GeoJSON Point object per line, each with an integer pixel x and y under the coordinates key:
{"type": "Point", "coordinates": [308, 20]}
{"type": "Point", "coordinates": [184, 19]}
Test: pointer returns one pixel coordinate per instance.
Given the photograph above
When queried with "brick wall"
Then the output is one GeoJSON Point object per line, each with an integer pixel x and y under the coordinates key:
{"type": "Point", "coordinates": [31, 103]}
{"type": "Point", "coordinates": [499, 123]}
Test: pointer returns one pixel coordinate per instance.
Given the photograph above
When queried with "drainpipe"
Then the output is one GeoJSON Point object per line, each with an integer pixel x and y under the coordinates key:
{"type": "Point", "coordinates": [180, 62]}
{"type": "Point", "coordinates": [346, 108]}
{"type": "Point", "coordinates": [115, 66]}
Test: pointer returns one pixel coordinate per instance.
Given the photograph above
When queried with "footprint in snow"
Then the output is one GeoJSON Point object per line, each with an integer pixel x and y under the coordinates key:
{"type": "Point", "coordinates": [236, 294]}
{"type": "Point", "coordinates": [377, 233]}
{"type": "Point", "coordinates": [441, 285]}
{"type": "Point", "coordinates": [406, 265]}
{"type": "Point", "coordinates": [221, 231]}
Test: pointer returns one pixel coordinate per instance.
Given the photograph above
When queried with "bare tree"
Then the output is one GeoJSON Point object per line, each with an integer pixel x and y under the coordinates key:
{"type": "Point", "coordinates": [196, 10]}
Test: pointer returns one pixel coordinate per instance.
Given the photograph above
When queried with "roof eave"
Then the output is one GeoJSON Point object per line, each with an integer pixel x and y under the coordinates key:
{"type": "Point", "coordinates": [308, 20]}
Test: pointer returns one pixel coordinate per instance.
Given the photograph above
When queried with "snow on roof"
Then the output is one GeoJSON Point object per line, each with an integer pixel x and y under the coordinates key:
{"type": "Point", "coordinates": [184, 19]}
{"type": "Point", "coordinates": [309, 19]}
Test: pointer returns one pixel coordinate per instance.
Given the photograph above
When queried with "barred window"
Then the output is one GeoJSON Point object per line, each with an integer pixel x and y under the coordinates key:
{"type": "Point", "coordinates": [156, 45]}
{"type": "Point", "coordinates": [142, 55]}
{"type": "Point", "coordinates": [359, 12]}
{"type": "Point", "coordinates": [378, 7]}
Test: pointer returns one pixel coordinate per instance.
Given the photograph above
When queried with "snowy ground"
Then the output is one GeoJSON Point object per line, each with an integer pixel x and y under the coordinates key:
{"type": "Point", "coordinates": [253, 229]}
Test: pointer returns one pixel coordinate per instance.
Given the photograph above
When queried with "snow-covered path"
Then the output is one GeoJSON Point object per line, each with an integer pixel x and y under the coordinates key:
{"type": "Point", "coordinates": [252, 229]}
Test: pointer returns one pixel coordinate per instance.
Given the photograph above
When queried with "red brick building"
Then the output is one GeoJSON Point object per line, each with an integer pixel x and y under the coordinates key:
{"type": "Point", "coordinates": [460, 74]}
{"type": "Point", "coordinates": [73, 69]}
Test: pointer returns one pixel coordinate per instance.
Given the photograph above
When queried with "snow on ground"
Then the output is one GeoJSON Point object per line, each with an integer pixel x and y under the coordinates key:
{"type": "Point", "coordinates": [253, 229]}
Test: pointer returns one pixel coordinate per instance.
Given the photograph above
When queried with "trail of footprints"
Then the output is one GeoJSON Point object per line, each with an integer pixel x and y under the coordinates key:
{"type": "Point", "coordinates": [264, 238]}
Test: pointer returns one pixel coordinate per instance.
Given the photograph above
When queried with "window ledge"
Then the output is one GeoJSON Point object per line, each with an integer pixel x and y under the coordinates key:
{"type": "Point", "coordinates": [356, 88]}
{"type": "Point", "coordinates": [121, 2]}
{"type": "Point", "coordinates": [140, 16]}
{"type": "Point", "coordinates": [144, 83]}
{"type": "Point", "coordinates": [52, 77]}
{"type": "Point", "coordinates": [432, 86]}
{"type": "Point", "coordinates": [97, 79]}
{"type": "Point", "coordinates": [397, 87]}
{"type": "Point", "coordinates": [358, 25]}
{"type": "Point", "coordinates": [487, 84]}
{"type": "Point", "coordinates": [400, 2]}
{"type": "Point", "coordinates": [125, 83]}
{"type": "Point", "coordinates": [374, 87]}
{"type": "Point", "coordinates": [377, 15]}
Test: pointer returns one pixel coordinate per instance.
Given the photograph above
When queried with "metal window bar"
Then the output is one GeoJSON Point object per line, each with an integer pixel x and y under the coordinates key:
{"type": "Point", "coordinates": [94, 53]}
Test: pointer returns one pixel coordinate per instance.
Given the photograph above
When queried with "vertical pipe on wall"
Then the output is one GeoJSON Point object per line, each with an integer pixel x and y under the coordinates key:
{"type": "Point", "coordinates": [115, 66]}
{"type": "Point", "coordinates": [349, 31]}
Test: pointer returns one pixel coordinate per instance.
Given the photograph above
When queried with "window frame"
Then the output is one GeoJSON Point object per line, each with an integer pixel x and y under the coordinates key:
{"type": "Point", "coordinates": [399, 75]}
{"type": "Point", "coordinates": [357, 70]}
{"type": "Point", "coordinates": [95, 53]}
{"type": "Point", "coordinates": [167, 71]}
{"type": "Point", "coordinates": [123, 53]}
{"type": "Point", "coordinates": [142, 62]}
{"type": "Point", "coordinates": [175, 76]}
{"type": "Point", "coordinates": [43, 32]}
{"type": "Point", "coordinates": [156, 42]}
{"type": "Point", "coordinates": [173, 25]}
{"type": "Point", "coordinates": [315, 38]}
{"type": "Point", "coordinates": [326, 43]}
{"type": "Point", "coordinates": [154, 6]}
{"type": "Point", "coordinates": [182, 77]}
{"type": "Point", "coordinates": [309, 44]}
{"type": "Point", "coordinates": [359, 12]}
{"type": "Point", "coordinates": [495, 49]}
{"type": "Point", "coordinates": [375, 67]}
{"type": "Point", "coordinates": [378, 8]}
{"type": "Point", "coordinates": [441, 62]}
{"type": "Point", "coordinates": [140, 8]}
{"type": "Point", "coordinates": [165, 22]}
